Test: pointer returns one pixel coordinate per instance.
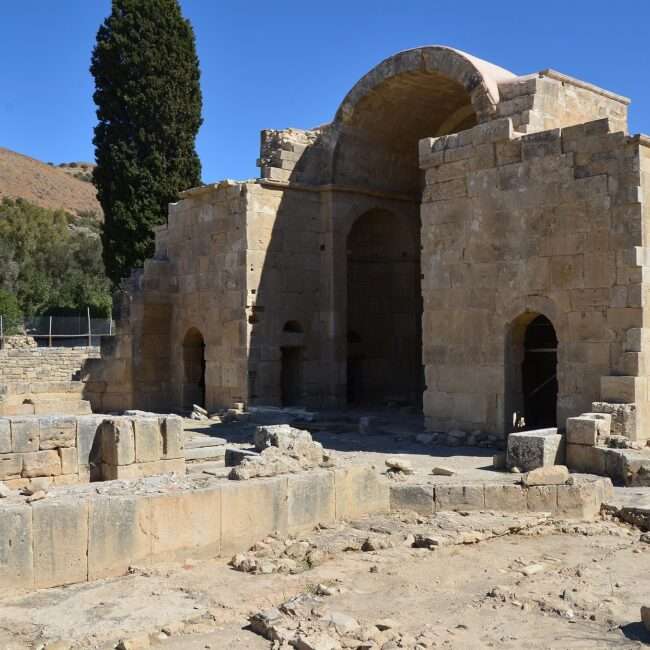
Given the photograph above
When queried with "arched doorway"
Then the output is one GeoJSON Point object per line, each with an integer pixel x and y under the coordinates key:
{"type": "Point", "coordinates": [193, 369]}
{"type": "Point", "coordinates": [384, 310]}
{"type": "Point", "coordinates": [531, 376]}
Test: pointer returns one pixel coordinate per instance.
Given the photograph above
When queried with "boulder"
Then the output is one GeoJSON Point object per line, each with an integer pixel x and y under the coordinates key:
{"type": "Point", "coordinates": [551, 475]}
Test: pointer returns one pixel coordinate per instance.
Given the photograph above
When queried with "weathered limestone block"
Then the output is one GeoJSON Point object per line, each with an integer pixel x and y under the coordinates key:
{"type": "Point", "coordinates": [586, 459]}
{"type": "Point", "coordinates": [311, 500]}
{"type": "Point", "coordinates": [360, 490]}
{"type": "Point", "coordinates": [57, 431]}
{"type": "Point", "coordinates": [118, 441]}
{"type": "Point", "coordinates": [528, 450]}
{"type": "Point", "coordinates": [16, 548]}
{"type": "Point", "coordinates": [11, 465]}
{"type": "Point", "coordinates": [148, 440]}
{"type": "Point", "coordinates": [588, 430]}
{"type": "Point", "coordinates": [251, 510]}
{"type": "Point", "coordinates": [417, 498]}
{"type": "Point", "coordinates": [582, 500]}
{"type": "Point", "coordinates": [24, 434]}
{"type": "Point", "coordinates": [459, 497]}
{"type": "Point", "coordinates": [118, 535]}
{"type": "Point", "coordinates": [171, 428]}
{"type": "Point", "coordinates": [542, 498]}
{"type": "Point", "coordinates": [69, 460]}
{"type": "Point", "coordinates": [187, 523]}
{"type": "Point", "coordinates": [508, 498]}
{"type": "Point", "coordinates": [88, 438]}
{"type": "Point", "coordinates": [623, 389]}
{"type": "Point", "coordinates": [623, 418]}
{"type": "Point", "coordinates": [549, 475]}
{"type": "Point", "coordinates": [142, 470]}
{"type": "Point", "coordinates": [5, 436]}
{"type": "Point", "coordinates": [60, 530]}
{"type": "Point", "coordinates": [41, 463]}
{"type": "Point", "coordinates": [282, 436]}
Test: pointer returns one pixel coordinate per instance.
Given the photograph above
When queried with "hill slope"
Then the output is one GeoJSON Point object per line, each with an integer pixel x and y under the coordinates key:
{"type": "Point", "coordinates": [44, 185]}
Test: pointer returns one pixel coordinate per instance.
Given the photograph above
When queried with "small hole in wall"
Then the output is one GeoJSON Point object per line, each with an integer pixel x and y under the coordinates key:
{"type": "Point", "coordinates": [322, 247]}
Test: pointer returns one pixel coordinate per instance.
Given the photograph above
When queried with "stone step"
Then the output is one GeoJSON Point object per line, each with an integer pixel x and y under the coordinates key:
{"type": "Point", "coordinates": [195, 442]}
{"type": "Point", "coordinates": [212, 467]}
{"type": "Point", "coordinates": [206, 453]}
{"type": "Point", "coordinates": [46, 405]}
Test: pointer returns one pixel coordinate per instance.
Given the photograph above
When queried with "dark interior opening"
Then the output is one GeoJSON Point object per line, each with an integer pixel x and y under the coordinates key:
{"type": "Point", "coordinates": [539, 374]}
{"type": "Point", "coordinates": [291, 376]}
{"type": "Point", "coordinates": [193, 369]}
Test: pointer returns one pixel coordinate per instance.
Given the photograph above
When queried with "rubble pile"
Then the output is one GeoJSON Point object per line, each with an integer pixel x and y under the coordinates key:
{"type": "Point", "coordinates": [281, 449]}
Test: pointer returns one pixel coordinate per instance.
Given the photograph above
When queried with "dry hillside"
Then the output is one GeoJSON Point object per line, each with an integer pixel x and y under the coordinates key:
{"type": "Point", "coordinates": [45, 185]}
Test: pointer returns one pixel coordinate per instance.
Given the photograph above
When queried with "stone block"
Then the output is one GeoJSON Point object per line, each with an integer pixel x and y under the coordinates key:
{"type": "Point", "coordinates": [508, 498]}
{"type": "Point", "coordinates": [185, 525]}
{"type": "Point", "coordinates": [118, 535]}
{"type": "Point", "coordinates": [60, 531]}
{"type": "Point", "coordinates": [11, 466]}
{"type": "Point", "coordinates": [359, 491]}
{"type": "Point", "coordinates": [16, 549]}
{"type": "Point", "coordinates": [549, 475]}
{"type": "Point", "coordinates": [542, 498]}
{"type": "Point", "coordinates": [24, 434]}
{"type": "Point", "coordinates": [459, 497]}
{"type": "Point", "coordinates": [148, 440]}
{"type": "Point", "coordinates": [69, 460]}
{"type": "Point", "coordinates": [623, 418]}
{"type": "Point", "coordinates": [622, 389]}
{"type": "Point", "coordinates": [5, 436]}
{"type": "Point", "coordinates": [57, 431]}
{"type": "Point", "coordinates": [234, 456]}
{"type": "Point", "coordinates": [88, 438]}
{"type": "Point", "coordinates": [173, 437]}
{"type": "Point", "coordinates": [580, 500]}
{"type": "Point", "coordinates": [416, 498]}
{"type": "Point", "coordinates": [118, 441]}
{"type": "Point", "coordinates": [528, 450]}
{"type": "Point", "coordinates": [311, 500]}
{"type": "Point", "coordinates": [251, 510]}
{"type": "Point", "coordinates": [585, 459]}
{"type": "Point", "coordinates": [41, 463]}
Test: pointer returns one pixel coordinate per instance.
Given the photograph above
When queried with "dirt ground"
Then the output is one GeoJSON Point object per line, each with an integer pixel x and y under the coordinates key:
{"type": "Point", "coordinates": [468, 580]}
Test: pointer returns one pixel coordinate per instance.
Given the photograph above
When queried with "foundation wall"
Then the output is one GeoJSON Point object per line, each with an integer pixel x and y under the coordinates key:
{"type": "Point", "coordinates": [78, 535]}
{"type": "Point", "coordinates": [547, 223]}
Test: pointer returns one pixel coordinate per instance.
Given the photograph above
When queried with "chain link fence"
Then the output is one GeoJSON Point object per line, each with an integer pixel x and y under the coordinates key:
{"type": "Point", "coordinates": [68, 331]}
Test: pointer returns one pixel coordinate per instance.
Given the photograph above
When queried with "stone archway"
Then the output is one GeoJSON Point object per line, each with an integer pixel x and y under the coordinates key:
{"type": "Point", "coordinates": [384, 310]}
{"type": "Point", "coordinates": [531, 373]}
{"type": "Point", "coordinates": [193, 369]}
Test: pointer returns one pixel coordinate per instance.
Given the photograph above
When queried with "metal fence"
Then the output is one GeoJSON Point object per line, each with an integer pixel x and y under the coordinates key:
{"type": "Point", "coordinates": [68, 331]}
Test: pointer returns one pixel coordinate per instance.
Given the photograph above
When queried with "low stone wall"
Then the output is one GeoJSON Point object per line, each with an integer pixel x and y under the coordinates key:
{"type": "Point", "coordinates": [79, 534]}
{"type": "Point", "coordinates": [43, 364]}
{"type": "Point", "coordinates": [77, 449]}
{"type": "Point", "coordinates": [580, 499]}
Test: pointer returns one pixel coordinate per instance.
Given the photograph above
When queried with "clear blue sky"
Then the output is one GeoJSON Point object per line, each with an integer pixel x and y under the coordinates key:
{"type": "Point", "coordinates": [289, 63]}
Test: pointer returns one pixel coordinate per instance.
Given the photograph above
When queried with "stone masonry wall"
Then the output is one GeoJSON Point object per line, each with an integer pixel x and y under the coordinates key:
{"type": "Point", "coordinates": [546, 223]}
{"type": "Point", "coordinates": [549, 100]}
{"type": "Point", "coordinates": [63, 450]}
{"type": "Point", "coordinates": [43, 364]}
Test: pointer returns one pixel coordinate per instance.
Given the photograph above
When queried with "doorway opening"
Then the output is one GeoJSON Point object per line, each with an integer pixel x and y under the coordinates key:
{"type": "Point", "coordinates": [533, 385]}
{"type": "Point", "coordinates": [193, 369]}
{"type": "Point", "coordinates": [384, 308]}
{"type": "Point", "coordinates": [291, 375]}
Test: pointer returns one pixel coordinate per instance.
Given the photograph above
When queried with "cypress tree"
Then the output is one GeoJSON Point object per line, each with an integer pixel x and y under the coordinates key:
{"type": "Point", "coordinates": [148, 101]}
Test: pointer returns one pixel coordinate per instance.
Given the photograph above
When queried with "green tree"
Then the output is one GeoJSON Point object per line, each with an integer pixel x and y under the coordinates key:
{"type": "Point", "coordinates": [47, 264]}
{"type": "Point", "coordinates": [149, 111]}
{"type": "Point", "coordinates": [12, 316]}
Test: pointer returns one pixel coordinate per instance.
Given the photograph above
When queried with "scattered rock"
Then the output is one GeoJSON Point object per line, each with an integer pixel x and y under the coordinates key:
{"type": "Point", "coordinates": [456, 438]}
{"type": "Point", "coordinates": [515, 470]}
{"type": "Point", "coordinates": [532, 569]}
{"type": "Point", "coordinates": [40, 484]}
{"type": "Point", "coordinates": [316, 642]}
{"type": "Point", "coordinates": [399, 465]}
{"type": "Point", "coordinates": [140, 642]}
{"type": "Point", "coordinates": [386, 624]}
{"type": "Point", "coordinates": [645, 538]}
{"type": "Point", "coordinates": [443, 471]}
{"type": "Point", "coordinates": [425, 438]}
{"type": "Point", "coordinates": [4, 491]}
{"type": "Point", "coordinates": [547, 475]}
{"type": "Point", "coordinates": [499, 461]}
{"type": "Point", "coordinates": [645, 617]}
{"type": "Point", "coordinates": [367, 424]}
